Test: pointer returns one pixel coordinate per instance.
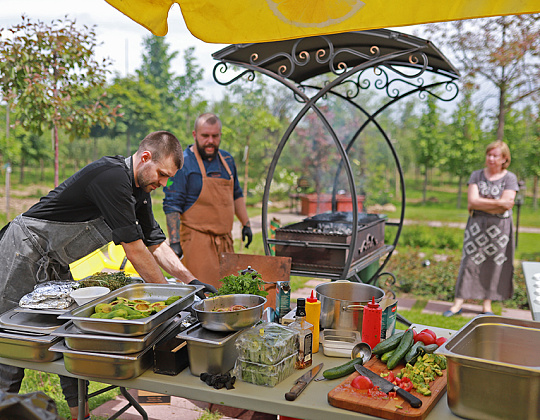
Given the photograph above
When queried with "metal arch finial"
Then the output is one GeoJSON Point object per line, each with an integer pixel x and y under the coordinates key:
{"type": "Point", "coordinates": [222, 68]}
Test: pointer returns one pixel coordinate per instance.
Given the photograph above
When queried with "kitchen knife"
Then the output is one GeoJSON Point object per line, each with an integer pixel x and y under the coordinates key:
{"type": "Point", "coordinates": [302, 382]}
{"type": "Point", "coordinates": [387, 386]}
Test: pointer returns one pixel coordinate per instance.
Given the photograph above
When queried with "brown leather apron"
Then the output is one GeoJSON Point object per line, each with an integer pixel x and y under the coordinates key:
{"type": "Point", "coordinates": [206, 226]}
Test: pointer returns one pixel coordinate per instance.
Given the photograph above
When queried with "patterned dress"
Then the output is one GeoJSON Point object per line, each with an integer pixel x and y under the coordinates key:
{"type": "Point", "coordinates": [487, 268]}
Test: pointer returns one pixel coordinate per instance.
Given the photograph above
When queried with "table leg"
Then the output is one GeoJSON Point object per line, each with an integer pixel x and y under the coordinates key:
{"type": "Point", "coordinates": [81, 385]}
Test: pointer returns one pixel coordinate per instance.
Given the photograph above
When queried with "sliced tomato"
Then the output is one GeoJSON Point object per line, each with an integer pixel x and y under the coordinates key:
{"type": "Point", "coordinates": [440, 341]}
{"type": "Point", "coordinates": [425, 338]}
{"type": "Point", "coordinates": [430, 332]}
{"type": "Point", "coordinates": [362, 382]}
{"type": "Point", "coordinates": [406, 384]}
{"type": "Point", "coordinates": [397, 381]}
{"type": "Point", "coordinates": [391, 377]}
{"type": "Point", "coordinates": [392, 394]}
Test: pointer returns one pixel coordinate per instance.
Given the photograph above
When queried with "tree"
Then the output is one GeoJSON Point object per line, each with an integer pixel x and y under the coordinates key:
{"type": "Point", "coordinates": [502, 50]}
{"type": "Point", "coordinates": [51, 80]}
{"type": "Point", "coordinates": [429, 141]}
{"type": "Point", "coordinates": [462, 146]}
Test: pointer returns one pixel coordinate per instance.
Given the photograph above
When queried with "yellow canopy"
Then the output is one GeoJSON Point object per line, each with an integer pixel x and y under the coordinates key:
{"type": "Point", "coordinates": [247, 21]}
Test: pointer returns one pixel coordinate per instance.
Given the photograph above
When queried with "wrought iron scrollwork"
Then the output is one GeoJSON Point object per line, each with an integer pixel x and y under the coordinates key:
{"type": "Point", "coordinates": [223, 68]}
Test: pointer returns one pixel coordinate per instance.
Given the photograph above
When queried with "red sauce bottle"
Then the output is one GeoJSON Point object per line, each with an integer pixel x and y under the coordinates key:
{"type": "Point", "coordinates": [371, 323]}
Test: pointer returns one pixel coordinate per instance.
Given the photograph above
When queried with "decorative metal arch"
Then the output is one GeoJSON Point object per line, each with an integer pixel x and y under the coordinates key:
{"type": "Point", "coordinates": [399, 61]}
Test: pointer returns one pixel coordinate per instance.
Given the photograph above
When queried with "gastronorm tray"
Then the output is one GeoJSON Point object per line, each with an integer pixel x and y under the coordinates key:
{"type": "Point", "coordinates": [35, 322]}
{"type": "Point", "coordinates": [148, 291]}
{"type": "Point", "coordinates": [76, 339]}
{"type": "Point", "coordinates": [28, 346]}
{"type": "Point", "coordinates": [109, 365]}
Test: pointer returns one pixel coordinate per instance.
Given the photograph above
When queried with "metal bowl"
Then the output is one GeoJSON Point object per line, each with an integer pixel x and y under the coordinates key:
{"type": "Point", "coordinates": [210, 319]}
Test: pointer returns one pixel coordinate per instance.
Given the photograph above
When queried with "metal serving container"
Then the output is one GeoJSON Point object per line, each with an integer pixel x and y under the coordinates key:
{"type": "Point", "coordinates": [28, 346]}
{"type": "Point", "coordinates": [494, 369]}
{"type": "Point", "coordinates": [76, 339]}
{"type": "Point", "coordinates": [148, 291]}
{"type": "Point", "coordinates": [211, 319]}
{"type": "Point", "coordinates": [210, 351]}
{"type": "Point", "coordinates": [32, 322]}
{"type": "Point", "coordinates": [109, 365]}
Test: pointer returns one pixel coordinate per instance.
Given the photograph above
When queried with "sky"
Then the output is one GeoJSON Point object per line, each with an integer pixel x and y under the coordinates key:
{"type": "Point", "coordinates": [119, 36]}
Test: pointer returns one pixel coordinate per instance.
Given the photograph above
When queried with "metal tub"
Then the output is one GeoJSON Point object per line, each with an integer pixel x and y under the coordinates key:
{"type": "Point", "coordinates": [76, 339]}
{"type": "Point", "coordinates": [210, 351]}
{"type": "Point", "coordinates": [28, 346]}
{"type": "Point", "coordinates": [494, 369]}
{"type": "Point", "coordinates": [147, 291]}
{"type": "Point", "coordinates": [109, 365]}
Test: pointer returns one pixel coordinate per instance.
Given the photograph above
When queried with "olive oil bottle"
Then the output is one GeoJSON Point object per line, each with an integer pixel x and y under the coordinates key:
{"type": "Point", "coordinates": [305, 336]}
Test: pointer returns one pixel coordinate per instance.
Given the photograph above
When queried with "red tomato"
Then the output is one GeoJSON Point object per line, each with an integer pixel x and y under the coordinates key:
{"type": "Point", "coordinates": [440, 341]}
{"type": "Point", "coordinates": [427, 330]}
{"type": "Point", "coordinates": [391, 377]}
{"type": "Point", "coordinates": [406, 384]}
{"type": "Point", "coordinates": [362, 382]}
{"type": "Point", "coordinates": [414, 334]}
{"type": "Point", "coordinates": [425, 338]}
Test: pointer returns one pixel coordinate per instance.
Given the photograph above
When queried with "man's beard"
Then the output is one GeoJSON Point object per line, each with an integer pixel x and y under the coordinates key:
{"type": "Point", "coordinates": [204, 155]}
{"type": "Point", "coordinates": [144, 183]}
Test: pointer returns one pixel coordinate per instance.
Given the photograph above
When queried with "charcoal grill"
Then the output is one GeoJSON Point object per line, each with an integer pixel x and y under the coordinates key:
{"type": "Point", "coordinates": [320, 245]}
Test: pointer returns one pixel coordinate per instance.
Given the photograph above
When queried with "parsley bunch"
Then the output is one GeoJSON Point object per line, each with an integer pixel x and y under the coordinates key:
{"type": "Point", "coordinates": [244, 284]}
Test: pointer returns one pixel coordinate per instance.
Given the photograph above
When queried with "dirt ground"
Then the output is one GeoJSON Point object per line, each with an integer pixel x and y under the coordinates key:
{"type": "Point", "coordinates": [21, 199]}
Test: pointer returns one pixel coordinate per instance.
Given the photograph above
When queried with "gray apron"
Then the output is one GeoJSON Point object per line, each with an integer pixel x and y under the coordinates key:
{"type": "Point", "coordinates": [33, 251]}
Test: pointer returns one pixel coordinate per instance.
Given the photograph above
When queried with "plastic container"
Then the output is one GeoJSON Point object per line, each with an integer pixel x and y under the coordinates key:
{"type": "Point", "coordinates": [267, 375]}
{"type": "Point", "coordinates": [267, 343]}
{"type": "Point", "coordinates": [313, 316]}
{"type": "Point", "coordinates": [371, 323]}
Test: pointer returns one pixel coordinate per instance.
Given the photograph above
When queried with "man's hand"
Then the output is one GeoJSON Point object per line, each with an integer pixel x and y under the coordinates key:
{"type": "Point", "coordinates": [177, 248]}
{"type": "Point", "coordinates": [247, 234]}
{"type": "Point", "coordinates": [208, 288]}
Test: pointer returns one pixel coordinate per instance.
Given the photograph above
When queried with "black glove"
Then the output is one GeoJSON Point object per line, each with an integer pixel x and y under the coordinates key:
{"type": "Point", "coordinates": [177, 248]}
{"type": "Point", "coordinates": [208, 288]}
{"type": "Point", "coordinates": [247, 233]}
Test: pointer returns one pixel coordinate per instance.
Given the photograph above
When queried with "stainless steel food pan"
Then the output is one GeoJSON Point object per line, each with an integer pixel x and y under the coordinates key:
{"type": "Point", "coordinates": [33, 322]}
{"type": "Point", "coordinates": [109, 365]}
{"type": "Point", "coordinates": [147, 291]}
{"type": "Point", "coordinates": [210, 351]}
{"type": "Point", "coordinates": [28, 346]}
{"type": "Point", "coordinates": [494, 369]}
{"type": "Point", "coordinates": [210, 318]}
{"type": "Point", "coordinates": [76, 339]}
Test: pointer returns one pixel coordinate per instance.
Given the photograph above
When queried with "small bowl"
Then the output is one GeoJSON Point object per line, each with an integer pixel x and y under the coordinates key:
{"type": "Point", "coordinates": [361, 349]}
{"type": "Point", "coordinates": [87, 294]}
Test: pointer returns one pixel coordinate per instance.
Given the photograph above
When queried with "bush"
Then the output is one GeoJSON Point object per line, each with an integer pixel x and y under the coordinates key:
{"type": "Point", "coordinates": [422, 236]}
{"type": "Point", "coordinates": [437, 279]}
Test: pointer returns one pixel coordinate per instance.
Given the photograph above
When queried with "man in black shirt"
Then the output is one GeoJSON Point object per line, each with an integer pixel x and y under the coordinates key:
{"type": "Point", "coordinates": [107, 200]}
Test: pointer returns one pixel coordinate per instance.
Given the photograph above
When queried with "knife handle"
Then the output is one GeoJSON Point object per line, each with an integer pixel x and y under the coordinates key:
{"type": "Point", "coordinates": [410, 398]}
{"type": "Point", "coordinates": [295, 391]}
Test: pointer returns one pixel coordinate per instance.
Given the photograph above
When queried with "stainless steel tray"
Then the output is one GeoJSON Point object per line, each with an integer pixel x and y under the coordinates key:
{"type": "Point", "coordinates": [76, 339]}
{"type": "Point", "coordinates": [37, 323]}
{"type": "Point", "coordinates": [31, 347]}
{"type": "Point", "coordinates": [46, 311]}
{"type": "Point", "coordinates": [147, 291]}
{"type": "Point", "coordinates": [110, 366]}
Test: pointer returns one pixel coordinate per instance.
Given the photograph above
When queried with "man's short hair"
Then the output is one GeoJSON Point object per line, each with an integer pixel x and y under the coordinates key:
{"type": "Point", "coordinates": [163, 144]}
{"type": "Point", "coordinates": [207, 118]}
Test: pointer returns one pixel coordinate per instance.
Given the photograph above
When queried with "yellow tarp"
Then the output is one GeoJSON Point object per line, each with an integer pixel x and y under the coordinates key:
{"type": "Point", "coordinates": [246, 21]}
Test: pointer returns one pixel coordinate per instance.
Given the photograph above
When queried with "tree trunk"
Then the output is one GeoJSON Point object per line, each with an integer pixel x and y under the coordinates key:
{"type": "Point", "coordinates": [55, 135]}
{"type": "Point", "coordinates": [535, 193]}
{"type": "Point", "coordinates": [460, 181]}
{"type": "Point", "coordinates": [424, 189]}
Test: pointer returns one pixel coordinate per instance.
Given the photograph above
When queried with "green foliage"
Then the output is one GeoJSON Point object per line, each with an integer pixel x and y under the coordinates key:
{"type": "Point", "coordinates": [423, 236]}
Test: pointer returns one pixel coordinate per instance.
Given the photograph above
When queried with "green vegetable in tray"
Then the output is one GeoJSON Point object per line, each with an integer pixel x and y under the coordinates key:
{"type": "Point", "coordinates": [249, 283]}
{"type": "Point", "coordinates": [111, 280]}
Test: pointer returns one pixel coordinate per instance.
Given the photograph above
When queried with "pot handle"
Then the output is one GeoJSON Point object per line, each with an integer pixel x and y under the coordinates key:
{"type": "Point", "coordinates": [353, 307]}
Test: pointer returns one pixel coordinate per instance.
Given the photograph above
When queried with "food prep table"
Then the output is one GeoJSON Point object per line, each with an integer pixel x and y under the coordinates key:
{"type": "Point", "coordinates": [311, 404]}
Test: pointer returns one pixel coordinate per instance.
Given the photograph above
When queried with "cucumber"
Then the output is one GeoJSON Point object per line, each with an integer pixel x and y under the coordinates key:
{"type": "Point", "coordinates": [388, 344]}
{"type": "Point", "coordinates": [431, 348]}
{"type": "Point", "coordinates": [342, 370]}
{"type": "Point", "coordinates": [412, 354]}
{"type": "Point", "coordinates": [404, 345]}
{"type": "Point", "coordinates": [387, 355]}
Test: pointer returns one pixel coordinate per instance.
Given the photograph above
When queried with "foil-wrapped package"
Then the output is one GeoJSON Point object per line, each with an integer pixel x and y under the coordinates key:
{"type": "Point", "coordinates": [49, 295]}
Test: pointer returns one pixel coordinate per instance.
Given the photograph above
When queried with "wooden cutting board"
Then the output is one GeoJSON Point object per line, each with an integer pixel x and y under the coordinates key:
{"type": "Point", "coordinates": [345, 396]}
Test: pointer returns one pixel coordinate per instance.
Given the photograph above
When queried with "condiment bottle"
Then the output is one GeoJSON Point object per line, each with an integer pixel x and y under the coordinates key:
{"type": "Point", "coordinates": [305, 335]}
{"type": "Point", "coordinates": [313, 316]}
{"type": "Point", "coordinates": [371, 323]}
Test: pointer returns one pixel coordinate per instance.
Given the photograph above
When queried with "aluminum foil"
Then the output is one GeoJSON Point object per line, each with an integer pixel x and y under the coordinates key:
{"type": "Point", "coordinates": [49, 295]}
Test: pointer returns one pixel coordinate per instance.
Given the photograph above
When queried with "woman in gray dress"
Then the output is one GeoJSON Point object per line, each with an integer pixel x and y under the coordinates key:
{"type": "Point", "coordinates": [487, 262]}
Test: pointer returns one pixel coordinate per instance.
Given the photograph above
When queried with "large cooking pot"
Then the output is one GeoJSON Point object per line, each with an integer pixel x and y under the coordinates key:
{"type": "Point", "coordinates": [342, 303]}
